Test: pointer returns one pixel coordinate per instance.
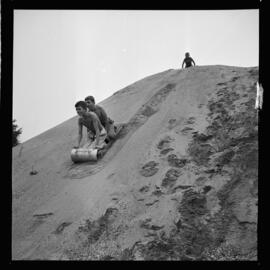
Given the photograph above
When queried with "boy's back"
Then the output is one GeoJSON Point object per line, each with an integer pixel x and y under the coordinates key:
{"type": "Point", "coordinates": [100, 112]}
{"type": "Point", "coordinates": [88, 121]}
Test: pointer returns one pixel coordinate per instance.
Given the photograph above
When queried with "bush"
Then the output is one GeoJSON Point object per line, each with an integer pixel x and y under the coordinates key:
{"type": "Point", "coordinates": [15, 133]}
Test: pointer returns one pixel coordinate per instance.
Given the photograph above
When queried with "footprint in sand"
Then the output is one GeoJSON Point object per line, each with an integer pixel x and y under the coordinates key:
{"type": "Point", "coordinates": [201, 137]}
{"type": "Point", "coordinates": [164, 145]}
{"type": "Point", "coordinates": [61, 227]}
{"type": "Point", "coordinates": [170, 178]}
{"type": "Point", "coordinates": [190, 120]}
{"type": "Point", "coordinates": [144, 189]}
{"type": "Point", "coordinates": [206, 189]}
{"type": "Point", "coordinates": [152, 203]}
{"type": "Point", "coordinates": [149, 169]}
{"type": "Point", "coordinates": [148, 224]}
{"type": "Point", "coordinates": [222, 83]}
{"type": "Point", "coordinates": [182, 187]}
{"type": "Point", "coordinates": [164, 142]}
{"type": "Point", "coordinates": [174, 161]}
{"type": "Point", "coordinates": [201, 181]}
{"type": "Point", "coordinates": [186, 130]}
{"type": "Point", "coordinates": [157, 192]}
{"type": "Point", "coordinates": [235, 79]}
{"type": "Point", "coordinates": [172, 123]}
{"type": "Point", "coordinates": [42, 216]}
{"type": "Point", "coordinates": [116, 196]}
{"type": "Point", "coordinates": [39, 219]}
{"type": "Point", "coordinates": [110, 176]}
{"type": "Point", "coordinates": [166, 151]}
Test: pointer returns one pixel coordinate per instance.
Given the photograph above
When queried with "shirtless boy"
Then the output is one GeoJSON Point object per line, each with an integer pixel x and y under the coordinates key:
{"type": "Point", "coordinates": [100, 112]}
{"type": "Point", "coordinates": [188, 61]}
{"type": "Point", "coordinates": [92, 123]}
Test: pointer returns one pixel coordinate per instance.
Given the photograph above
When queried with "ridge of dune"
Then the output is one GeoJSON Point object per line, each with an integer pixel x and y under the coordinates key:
{"type": "Point", "coordinates": [180, 183]}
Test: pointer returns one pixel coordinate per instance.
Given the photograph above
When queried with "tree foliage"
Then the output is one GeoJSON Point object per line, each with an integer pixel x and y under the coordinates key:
{"type": "Point", "coordinates": [15, 133]}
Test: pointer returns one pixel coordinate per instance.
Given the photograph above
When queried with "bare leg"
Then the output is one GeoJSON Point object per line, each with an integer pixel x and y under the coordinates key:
{"type": "Point", "coordinates": [89, 139]}
{"type": "Point", "coordinates": [111, 132]}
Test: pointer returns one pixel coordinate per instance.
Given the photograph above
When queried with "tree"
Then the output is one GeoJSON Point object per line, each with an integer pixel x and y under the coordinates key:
{"type": "Point", "coordinates": [15, 133]}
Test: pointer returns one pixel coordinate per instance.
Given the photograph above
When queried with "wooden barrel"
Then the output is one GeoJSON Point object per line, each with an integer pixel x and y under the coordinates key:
{"type": "Point", "coordinates": [83, 154]}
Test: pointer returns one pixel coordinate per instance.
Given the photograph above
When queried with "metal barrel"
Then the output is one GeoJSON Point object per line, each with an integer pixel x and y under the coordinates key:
{"type": "Point", "coordinates": [83, 154]}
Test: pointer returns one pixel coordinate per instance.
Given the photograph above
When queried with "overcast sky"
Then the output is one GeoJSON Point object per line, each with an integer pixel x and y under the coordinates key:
{"type": "Point", "coordinates": [61, 56]}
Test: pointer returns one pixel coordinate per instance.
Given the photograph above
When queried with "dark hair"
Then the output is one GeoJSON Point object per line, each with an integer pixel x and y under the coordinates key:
{"type": "Point", "coordinates": [90, 98]}
{"type": "Point", "coordinates": [81, 104]}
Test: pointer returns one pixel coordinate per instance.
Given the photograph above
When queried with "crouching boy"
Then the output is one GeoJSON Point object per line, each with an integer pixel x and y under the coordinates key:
{"type": "Point", "coordinates": [93, 125]}
{"type": "Point", "coordinates": [104, 119]}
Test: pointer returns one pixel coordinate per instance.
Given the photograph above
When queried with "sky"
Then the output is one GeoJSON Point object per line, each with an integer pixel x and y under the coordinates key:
{"type": "Point", "coordinates": [62, 56]}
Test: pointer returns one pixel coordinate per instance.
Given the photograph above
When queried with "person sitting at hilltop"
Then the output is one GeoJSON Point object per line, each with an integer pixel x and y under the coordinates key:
{"type": "Point", "coordinates": [188, 61]}
{"type": "Point", "coordinates": [104, 119]}
{"type": "Point", "coordinates": [92, 123]}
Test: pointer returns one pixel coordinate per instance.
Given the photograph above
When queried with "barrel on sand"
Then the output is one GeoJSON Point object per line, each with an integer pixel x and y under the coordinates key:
{"type": "Point", "coordinates": [83, 154]}
{"type": "Point", "coordinates": [86, 153]}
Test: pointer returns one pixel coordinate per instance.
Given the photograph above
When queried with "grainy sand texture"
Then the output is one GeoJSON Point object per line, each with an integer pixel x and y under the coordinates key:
{"type": "Point", "coordinates": [180, 183]}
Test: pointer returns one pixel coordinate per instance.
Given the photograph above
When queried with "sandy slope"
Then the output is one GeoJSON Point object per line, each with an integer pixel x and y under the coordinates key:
{"type": "Point", "coordinates": [131, 202]}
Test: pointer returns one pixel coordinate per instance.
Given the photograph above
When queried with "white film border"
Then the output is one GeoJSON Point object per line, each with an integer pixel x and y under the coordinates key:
{"type": "Point", "coordinates": [259, 97]}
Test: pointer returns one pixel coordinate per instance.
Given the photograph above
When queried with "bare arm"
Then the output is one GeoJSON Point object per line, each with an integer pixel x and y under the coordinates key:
{"type": "Point", "coordinates": [106, 119]}
{"type": "Point", "coordinates": [193, 62]}
{"type": "Point", "coordinates": [183, 63]}
{"type": "Point", "coordinates": [80, 134]}
{"type": "Point", "coordinates": [95, 124]}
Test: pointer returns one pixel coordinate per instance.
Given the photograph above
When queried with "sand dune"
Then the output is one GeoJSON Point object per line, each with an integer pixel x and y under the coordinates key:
{"type": "Point", "coordinates": [179, 184]}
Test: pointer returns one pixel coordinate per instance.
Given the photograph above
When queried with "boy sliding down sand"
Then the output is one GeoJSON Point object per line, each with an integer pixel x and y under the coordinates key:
{"type": "Point", "coordinates": [92, 123]}
{"type": "Point", "coordinates": [104, 119]}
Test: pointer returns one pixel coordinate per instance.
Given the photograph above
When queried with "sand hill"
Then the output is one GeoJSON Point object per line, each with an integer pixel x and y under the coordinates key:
{"type": "Point", "coordinates": [180, 183]}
